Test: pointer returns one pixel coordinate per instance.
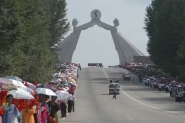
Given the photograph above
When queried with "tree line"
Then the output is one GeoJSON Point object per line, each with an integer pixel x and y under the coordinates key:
{"type": "Point", "coordinates": [28, 30]}
{"type": "Point", "coordinates": [165, 27]}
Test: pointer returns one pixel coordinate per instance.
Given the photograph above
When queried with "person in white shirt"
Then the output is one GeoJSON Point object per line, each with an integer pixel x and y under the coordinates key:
{"type": "Point", "coordinates": [114, 97]}
{"type": "Point", "coordinates": [69, 103]}
{"type": "Point", "coordinates": [160, 86]}
{"type": "Point", "coordinates": [63, 105]}
{"type": "Point", "coordinates": [73, 103]}
{"type": "Point", "coordinates": [179, 96]}
{"type": "Point", "coordinates": [167, 88]}
{"type": "Point", "coordinates": [11, 111]}
{"type": "Point", "coordinates": [155, 84]}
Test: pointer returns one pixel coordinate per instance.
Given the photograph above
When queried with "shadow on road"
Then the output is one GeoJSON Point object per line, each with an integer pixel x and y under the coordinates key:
{"type": "Point", "coordinates": [105, 94]}
{"type": "Point", "coordinates": [161, 100]}
{"type": "Point", "coordinates": [136, 89]}
{"type": "Point", "coordinates": [99, 79]}
{"type": "Point", "coordinates": [101, 82]}
{"type": "Point", "coordinates": [179, 108]}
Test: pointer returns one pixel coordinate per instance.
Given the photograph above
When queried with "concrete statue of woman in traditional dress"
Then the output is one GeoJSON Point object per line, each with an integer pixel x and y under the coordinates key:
{"type": "Point", "coordinates": [11, 111]}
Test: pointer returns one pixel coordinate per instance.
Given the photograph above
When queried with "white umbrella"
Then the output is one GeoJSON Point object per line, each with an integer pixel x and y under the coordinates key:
{"type": "Point", "coordinates": [18, 84]}
{"type": "Point", "coordinates": [65, 90]}
{"type": "Point", "coordinates": [62, 95]}
{"type": "Point", "coordinates": [73, 80]}
{"type": "Point", "coordinates": [32, 86]}
{"type": "Point", "coordinates": [45, 91]}
{"type": "Point", "coordinates": [30, 90]}
{"type": "Point", "coordinates": [20, 93]}
{"type": "Point", "coordinates": [75, 85]}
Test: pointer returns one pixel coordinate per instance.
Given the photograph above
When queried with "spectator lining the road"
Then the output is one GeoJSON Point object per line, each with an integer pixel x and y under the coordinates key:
{"type": "Point", "coordinates": [152, 78]}
{"type": "Point", "coordinates": [53, 108]}
{"type": "Point", "coordinates": [11, 111]}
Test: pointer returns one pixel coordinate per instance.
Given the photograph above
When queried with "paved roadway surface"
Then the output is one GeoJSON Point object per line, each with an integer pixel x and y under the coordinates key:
{"type": "Point", "coordinates": [135, 104]}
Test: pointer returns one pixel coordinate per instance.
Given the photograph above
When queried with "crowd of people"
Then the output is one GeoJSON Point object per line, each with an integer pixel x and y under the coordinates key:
{"type": "Point", "coordinates": [153, 78]}
{"type": "Point", "coordinates": [24, 102]}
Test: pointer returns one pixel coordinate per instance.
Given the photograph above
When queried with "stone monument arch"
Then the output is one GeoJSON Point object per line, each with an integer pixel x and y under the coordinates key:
{"type": "Point", "coordinates": [125, 49]}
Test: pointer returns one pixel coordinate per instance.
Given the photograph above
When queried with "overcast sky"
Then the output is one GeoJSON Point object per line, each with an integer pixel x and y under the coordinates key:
{"type": "Point", "coordinates": [96, 44]}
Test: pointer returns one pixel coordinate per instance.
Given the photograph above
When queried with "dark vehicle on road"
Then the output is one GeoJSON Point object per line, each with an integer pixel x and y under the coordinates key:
{"type": "Point", "coordinates": [126, 77]}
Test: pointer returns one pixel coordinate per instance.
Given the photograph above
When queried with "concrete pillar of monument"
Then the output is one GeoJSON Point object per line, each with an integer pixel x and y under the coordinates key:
{"type": "Point", "coordinates": [125, 49]}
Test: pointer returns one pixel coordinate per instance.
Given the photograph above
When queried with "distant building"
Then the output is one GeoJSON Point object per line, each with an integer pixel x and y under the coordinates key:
{"type": "Point", "coordinates": [95, 65]}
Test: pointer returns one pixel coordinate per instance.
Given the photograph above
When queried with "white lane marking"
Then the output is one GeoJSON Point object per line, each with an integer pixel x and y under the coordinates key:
{"type": "Point", "coordinates": [171, 112]}
{"type": "Point", "coordinates": [132, 98]}
{"type": "Point", "coordinates": [116, 110]}
{"type": "Point", "coordinates": [105, 73]}
{"type": "Point", "coordinates": [129, 118]}
{"type": "Point", "coordinates": [142, 103]}
{"type": "Point", "coordinates": [100, 95]}
{"type": "Point", "coordinates": [175, 112]}
{"type": "Point", "coordinates": [98, 90]}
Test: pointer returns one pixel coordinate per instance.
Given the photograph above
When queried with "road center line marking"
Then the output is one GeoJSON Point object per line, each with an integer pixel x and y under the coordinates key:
{"type": "Point", "coordinates": [129, 118]}
{"type": "Point", "coordinates": [116, 110]}
{"type": "Point", "coordinates": [105, 73]}
{"type": "Point", "coordinates": [130, 97]}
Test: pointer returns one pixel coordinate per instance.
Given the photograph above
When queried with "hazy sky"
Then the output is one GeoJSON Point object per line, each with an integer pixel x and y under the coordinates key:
{"type": "Point", "coordinates": [96, 44]}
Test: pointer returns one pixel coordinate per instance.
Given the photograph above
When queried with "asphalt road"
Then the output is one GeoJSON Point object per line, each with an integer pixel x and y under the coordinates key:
{"type": "Point", "coordinates": [135, 104]}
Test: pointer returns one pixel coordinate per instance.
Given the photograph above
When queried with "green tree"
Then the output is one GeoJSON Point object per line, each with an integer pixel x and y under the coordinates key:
{"type": "Point", "coordinates": [25, 39]}
{"type": "Point", "coordinates": [164, 24]}
{"type": "Point", "coordinates": [9, 31]}
{"type": "Point", "coordinates": [59, 25]}
{"type": "Point", "coordinates": [181, 61]}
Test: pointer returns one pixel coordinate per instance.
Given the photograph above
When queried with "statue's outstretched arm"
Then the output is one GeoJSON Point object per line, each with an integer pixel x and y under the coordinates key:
{"type": "Point", "coordinates": [83, 27]}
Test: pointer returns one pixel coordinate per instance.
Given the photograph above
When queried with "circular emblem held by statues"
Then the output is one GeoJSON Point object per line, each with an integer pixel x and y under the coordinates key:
{"type": "Point", "coordinates": [96, 14]}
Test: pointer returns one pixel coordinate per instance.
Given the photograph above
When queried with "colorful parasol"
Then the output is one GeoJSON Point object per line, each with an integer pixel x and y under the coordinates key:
{"type": "Point", "coordinates": [6, 84]}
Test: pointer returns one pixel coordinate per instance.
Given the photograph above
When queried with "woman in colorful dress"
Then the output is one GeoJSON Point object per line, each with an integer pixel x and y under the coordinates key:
{"type": "Point", "coordinates": [44, 108]}
{"type": "Point", "coordinates": [53, 108]}
{"type": "Point", "coordinates": [11, 111]}
{"type": "Point", "coordinates": [0, 119]}
{"type": "Point", "coordinates": [27, 115]}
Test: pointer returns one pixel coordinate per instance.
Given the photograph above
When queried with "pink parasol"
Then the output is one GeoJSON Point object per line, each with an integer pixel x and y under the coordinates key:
{"type": "Point", "coordinates": [6, 84]}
